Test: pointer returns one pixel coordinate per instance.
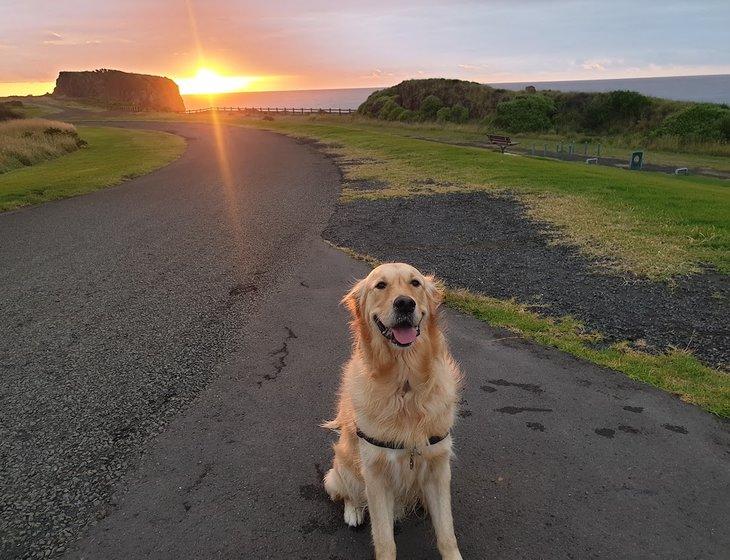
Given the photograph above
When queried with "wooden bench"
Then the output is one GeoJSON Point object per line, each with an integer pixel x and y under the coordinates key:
{"type": "Point", "coordinates": [503, 142]}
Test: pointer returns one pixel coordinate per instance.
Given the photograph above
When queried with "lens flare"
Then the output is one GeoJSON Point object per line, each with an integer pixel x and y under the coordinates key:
{"type": "Point", "coordinates": [207, 81]}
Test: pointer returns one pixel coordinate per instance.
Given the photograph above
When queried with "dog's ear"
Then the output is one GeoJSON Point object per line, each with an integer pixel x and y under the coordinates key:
{"type": "Point", "coordinates": [435, 289]}
{"type": "Point", "coordinates": [353, 298]}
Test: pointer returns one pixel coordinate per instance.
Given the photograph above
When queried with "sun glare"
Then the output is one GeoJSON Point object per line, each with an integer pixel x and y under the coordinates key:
{"type": "Point", "coordinates": [207, 81]}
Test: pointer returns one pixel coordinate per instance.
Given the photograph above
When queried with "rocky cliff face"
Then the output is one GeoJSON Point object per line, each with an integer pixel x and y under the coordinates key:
{"type": "Point", "coordinates": [113, 88]}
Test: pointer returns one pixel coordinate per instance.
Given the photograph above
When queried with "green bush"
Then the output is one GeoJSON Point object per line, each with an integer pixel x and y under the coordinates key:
{"type": "Point", "coordinates": [526, 114]}
{"type": "Point", "coordinates": [573, 113]}
{"type": "Point", "coordinates": [430, 106]}
{"type": "Point", "coordinates": [408, 116]}
{"type": "Point", "coordinates": [699, 122]}
{"type": "Point", "coordinates": [395, 113]}
{"type": "Point", "coordinates": [459, 113]}
{"type": "Point", "coordinates": [443, 114]}
{"type": "Point", "coordinates": [388, 107]}
{"type": "Point", "coordinates": [615, 110]}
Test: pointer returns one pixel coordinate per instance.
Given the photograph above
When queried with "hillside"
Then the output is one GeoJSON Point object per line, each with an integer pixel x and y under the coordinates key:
{"type": "Point", "coordinates": [615, 112]}
{"type": "Point", "coordinates": [113, 88]}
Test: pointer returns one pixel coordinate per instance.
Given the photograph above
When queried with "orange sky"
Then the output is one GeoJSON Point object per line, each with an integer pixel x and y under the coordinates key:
{"type": "Point", "coordinates": [287, 44]}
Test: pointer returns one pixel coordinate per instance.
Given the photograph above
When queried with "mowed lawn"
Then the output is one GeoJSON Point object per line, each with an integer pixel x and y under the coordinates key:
{"type": "Point", "coordinates": [652, 224]}
{"type": "Point", "coordinates": [112, 156]}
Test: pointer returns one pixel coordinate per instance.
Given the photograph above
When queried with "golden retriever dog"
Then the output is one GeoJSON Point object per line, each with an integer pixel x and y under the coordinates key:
{"type": "Point", "coordinates": [397, 403]}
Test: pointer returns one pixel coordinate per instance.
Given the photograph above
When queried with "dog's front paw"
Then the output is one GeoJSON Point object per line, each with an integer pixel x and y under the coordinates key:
{"type": "Point", "coordinates": [353, 514]}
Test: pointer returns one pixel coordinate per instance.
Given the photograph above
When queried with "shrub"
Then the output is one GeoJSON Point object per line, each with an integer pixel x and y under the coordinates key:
{"type": "Point", "coordinates": [526, 114]}
{"type": "Point", "coordinates": [614, 110]}
{"type": "Point", "coordinates": [430, 106]}
{"type": "Point", "coordinates": [698, 122]}
{"type": "Point", "coordinates": [443, 114]}
{"type": "Point", "coordinates": [724, 127]}
{"type": "Point", "coordinates": [407, 115]}
{"type": "Point", "coordinates": [8, 111]}
{"type": "Point", "coordinates": [459, 113]}
{"type": "Point", "coordinates": [29, 141]}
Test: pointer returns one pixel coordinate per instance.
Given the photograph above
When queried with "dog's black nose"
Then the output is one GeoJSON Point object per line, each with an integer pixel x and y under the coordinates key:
{"type": "Point", "coordinates": [404, 304]}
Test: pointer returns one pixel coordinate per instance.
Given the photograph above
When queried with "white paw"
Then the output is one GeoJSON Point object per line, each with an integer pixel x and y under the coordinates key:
{"type": "Point", "coordinates": [353, 515]}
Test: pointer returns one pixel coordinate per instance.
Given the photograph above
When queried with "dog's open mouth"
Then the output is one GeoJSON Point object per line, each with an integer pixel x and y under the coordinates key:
{"type": "Point", "coordinates": [403, 333]}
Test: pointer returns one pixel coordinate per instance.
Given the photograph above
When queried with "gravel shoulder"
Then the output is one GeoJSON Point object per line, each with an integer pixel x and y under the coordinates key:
{"type": "Point", "coordinates": [487, 243]}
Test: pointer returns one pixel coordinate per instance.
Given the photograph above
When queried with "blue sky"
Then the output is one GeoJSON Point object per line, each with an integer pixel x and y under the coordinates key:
{"type": "Point", "coordinates": [350, 44]}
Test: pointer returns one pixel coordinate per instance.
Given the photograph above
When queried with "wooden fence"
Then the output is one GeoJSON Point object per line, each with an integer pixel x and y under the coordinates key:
{"type": "Point", "coordinates": [274, 111]}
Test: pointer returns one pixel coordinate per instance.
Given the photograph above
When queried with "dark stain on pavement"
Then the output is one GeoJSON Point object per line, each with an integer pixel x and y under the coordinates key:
{"type": "Point", "coordinates": [518, 410]}
{"type": "Point", "coordinates": [313, 524]}
{"type": "Point", "coordinates": [313, 492]}
{"type": "Point", "coordinates": [605, 432]}
{"type": "Point", "coordinates": [629, 429]}
{"type": "Point", "coordinates": [675, 428]}
{"type": "Point", "coordinates": [464, 413]}
{"type": "Point", "coordinates": [524, 386]}
{"type": "Point", "coordinates": [487, 389]}
{"type": "Point", "coordinates": [241, 288]}
{"type": "Point", "coordinates": [635, 409]}
{"type": "Point", "coordinates": [207, 467]}
{"type": "Point", "coordinates": [536, 426]}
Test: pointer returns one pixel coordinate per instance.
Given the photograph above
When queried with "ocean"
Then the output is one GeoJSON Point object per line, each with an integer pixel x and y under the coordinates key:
{"type": "Point", "coordinates": [712, 89]}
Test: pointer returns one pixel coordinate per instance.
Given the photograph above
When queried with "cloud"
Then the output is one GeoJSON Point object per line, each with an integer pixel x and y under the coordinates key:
{"type": "Point", "coordinates": [601, 64]}
{"type": "Point", "coordinates": [474, 67]}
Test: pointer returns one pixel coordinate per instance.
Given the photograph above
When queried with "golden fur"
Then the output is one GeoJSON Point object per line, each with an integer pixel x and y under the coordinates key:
{"type": "Point", "coordinates": [395, 394]}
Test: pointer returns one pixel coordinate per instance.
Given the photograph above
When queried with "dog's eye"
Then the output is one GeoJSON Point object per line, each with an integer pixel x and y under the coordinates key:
{"type": "Point", "coordinates": [381, 285]}
{"type": "Point", "coordinates": [415, 283]}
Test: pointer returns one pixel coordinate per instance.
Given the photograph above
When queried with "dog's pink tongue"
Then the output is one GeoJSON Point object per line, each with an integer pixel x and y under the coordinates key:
{"type": "Point", "coordinates": [405, 335]}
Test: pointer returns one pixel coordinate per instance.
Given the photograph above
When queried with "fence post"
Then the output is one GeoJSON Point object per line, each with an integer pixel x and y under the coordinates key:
{"type": "Point", "coordinates": [598, 154]}
{"type": "Point", "coordinates": [585, 149]}
{"type": "Point", "coordinates": [544, 150]}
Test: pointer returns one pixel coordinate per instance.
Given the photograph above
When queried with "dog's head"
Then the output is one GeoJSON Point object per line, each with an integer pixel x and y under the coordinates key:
{"type": "Point", "coordinates": [396, 303]}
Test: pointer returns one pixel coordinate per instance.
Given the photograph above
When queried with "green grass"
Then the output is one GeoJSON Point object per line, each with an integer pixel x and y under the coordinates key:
{"type": "Point", "coordinates": [652, 224]}
{"type": "Point", "coordinates": [112, 156]}
{"type": "Point", "coordinates": [677, 372]}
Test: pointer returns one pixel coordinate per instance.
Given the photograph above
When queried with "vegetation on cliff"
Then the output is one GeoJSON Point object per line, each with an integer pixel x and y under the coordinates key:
{"type": "Point", "coordinates": [615, 112]}
{"type": "Point", "coordinates": [123, 90]}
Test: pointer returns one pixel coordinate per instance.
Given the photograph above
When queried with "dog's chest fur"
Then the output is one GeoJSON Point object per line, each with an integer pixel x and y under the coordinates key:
{"type": "Point", "coordinates": [405, 405]}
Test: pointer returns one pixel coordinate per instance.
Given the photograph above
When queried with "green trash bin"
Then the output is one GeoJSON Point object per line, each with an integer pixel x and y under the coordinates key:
{"type": "Point", "coordinates": [637, 160]}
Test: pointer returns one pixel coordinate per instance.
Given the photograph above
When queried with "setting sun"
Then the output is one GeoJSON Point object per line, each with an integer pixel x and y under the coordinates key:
{"type": "Point", "coordinates": [207, 81]}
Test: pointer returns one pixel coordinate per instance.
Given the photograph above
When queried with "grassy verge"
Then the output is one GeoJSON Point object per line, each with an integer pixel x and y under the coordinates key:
{"type": "Point", "coordinates": [29, 141]}
{"type": "Point", "coordinates": [112, 155]}
{"type": "Point", "coordinates": [651, 224]}
{"type": "Point", "coordinates": [677, 372]}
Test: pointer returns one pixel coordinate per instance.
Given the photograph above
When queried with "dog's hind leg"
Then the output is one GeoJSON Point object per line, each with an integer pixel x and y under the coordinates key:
{"type": "Point", "coordinates": [340, 484]}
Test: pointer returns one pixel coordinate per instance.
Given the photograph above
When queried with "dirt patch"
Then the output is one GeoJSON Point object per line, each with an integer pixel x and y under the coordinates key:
{"type": "Point", "coordinates": [485, 242]}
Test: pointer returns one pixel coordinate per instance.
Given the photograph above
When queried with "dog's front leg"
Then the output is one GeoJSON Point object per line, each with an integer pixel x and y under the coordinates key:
{"type": "Point", "coordinates": [437, 494]}
{"type": "Point", "coordinates": [381, 506]}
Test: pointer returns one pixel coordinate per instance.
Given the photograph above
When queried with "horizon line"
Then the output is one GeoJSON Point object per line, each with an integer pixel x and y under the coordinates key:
{"type": "Point", "coordinates": [542, 81]}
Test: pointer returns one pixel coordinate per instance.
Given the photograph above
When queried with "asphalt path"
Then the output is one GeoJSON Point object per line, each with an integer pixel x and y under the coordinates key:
{"type": "Point", "coordinates": [170, 346]}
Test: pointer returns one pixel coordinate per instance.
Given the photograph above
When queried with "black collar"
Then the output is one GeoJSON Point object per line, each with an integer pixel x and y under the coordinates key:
{"type": "Point", "coordinates": [392, 445]}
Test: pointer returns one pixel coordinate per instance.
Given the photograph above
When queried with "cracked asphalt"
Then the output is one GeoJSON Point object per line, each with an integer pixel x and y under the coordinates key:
{"type": "Point", "coordinates": [173, 344]}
